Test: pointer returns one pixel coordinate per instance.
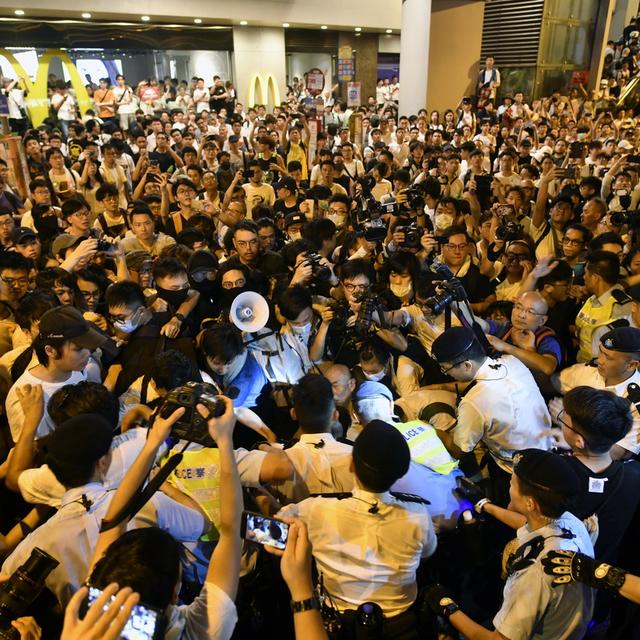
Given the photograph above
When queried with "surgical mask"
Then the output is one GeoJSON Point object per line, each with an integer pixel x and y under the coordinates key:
{"type": "Point", "coordinates": [301, 332]}
{"type": "Point", "coordinates": [174, 298]}
{"type": "Point", "coordinates": [295, 235]}
{"type": "Point", "coordinates": [444, 220]}
{"type": "Point", "coordinates": [401, 290]}
{"type": "Point", "coordinates": [140, 317]}
{"type": "Point", "coordinates": [375, 377]}
{"type": "Point", "coordinates": [337, 218]}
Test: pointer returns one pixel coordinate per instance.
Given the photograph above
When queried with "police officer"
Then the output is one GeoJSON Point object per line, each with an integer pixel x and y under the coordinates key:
{"type": "Point", "coordinates": [542, 488]}
{"type": "Point", "coordinates": [381, 538]}
{"type": "Point", "coordinates": [614, 369]}
{"type": "Point", "coordinates": [500, 407]}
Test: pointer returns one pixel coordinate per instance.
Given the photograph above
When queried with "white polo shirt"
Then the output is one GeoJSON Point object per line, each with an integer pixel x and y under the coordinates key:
{"type": "Point", "coordinates": [504, 410]}
{"type": "Point", "coordinates": [585, 375]}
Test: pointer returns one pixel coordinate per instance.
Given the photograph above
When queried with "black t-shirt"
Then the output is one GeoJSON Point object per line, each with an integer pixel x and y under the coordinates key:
{"type": "Point", "coordinates": [216, 103]}
{"type": "Point", "coordinates": [279, 206]}
{"type": "Point", "coordinates": [477, 286]}
{"type": "Point", "coordinates": [165, 160]}
{"type": "Point", "coordinates": [613, 495]}
{"type": "Point", "coordinates": [560, 318]}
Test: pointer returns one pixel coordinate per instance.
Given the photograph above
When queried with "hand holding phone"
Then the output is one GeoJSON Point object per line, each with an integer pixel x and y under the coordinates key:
{"type": "Point", "coordinates": [263, 530]}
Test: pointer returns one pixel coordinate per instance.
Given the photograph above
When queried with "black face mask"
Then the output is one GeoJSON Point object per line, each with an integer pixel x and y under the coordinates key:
{"type": "Point", "coordinates": [227, 296]}
{"type": "Point", "coordinates": [225, 166]}
{"type": "Point", "coordinates": [173, 298]}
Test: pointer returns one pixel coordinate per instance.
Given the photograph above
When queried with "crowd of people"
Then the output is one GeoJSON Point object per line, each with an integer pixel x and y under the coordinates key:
{"type": "Point", "coordinates": [423, 334]}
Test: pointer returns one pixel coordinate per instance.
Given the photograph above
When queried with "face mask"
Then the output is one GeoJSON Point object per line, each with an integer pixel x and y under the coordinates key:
{"type": "Point", "coordinates": [374, 377]}
{"type": "Point", "coordinates": [444, 220]}
{"type": "Point", "coordinates": [225, 166]}
{"type": "Point", "coordinates": [401, 290]}
{"type": "Point", "coordinates": [173, 298]}
{"type": "Point", "coordinates": [140, 317]}
{"type": "Point", "coordinates": [295, 235]}
{"type": "Point", "coordinates": [301, 332]}
{"type": "Point", "coordinates": [337, 219]}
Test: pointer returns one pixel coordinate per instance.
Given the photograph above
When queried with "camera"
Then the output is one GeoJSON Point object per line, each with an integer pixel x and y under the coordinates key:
{"type": "Point", "coordinates": [247, 174]}
{"type": "Point", "coordinates": [23, 587]}
{"type": "Point", "coordinates": [415, 197]}
{"type": "Point", "coordinates": [374, 230]}
{"type": "Point", "coordinates": [509, 231]}
{"type": "Point", "coordinates": [452, 290]}
{"type": "Point", "coordinates": [320, 272]}
{"type": "Point", "coordinates": [364, 320]}
{"type": "Point", "coordinates": [105, 246]}
{"type": "Point", "coordinates": [620, 218]}
{"type": "Point", "coordinates": [191, 425]}
{"type": "Point", "coordinates": [412, 234]}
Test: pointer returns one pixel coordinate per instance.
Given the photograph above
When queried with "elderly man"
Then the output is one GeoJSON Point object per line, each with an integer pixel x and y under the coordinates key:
{"type": "Point", "coordinates": [526, 337]}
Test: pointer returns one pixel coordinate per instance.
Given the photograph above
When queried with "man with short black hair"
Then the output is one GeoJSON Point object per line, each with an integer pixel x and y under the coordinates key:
{"type": "Point", "coordinates": [142, 236]}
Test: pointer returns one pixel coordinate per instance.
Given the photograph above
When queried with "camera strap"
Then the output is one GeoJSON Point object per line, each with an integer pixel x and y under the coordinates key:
{"type": "Point", "coordinates": [143, 495]}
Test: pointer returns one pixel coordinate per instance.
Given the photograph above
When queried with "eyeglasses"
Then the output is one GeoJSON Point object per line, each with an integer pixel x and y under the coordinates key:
{"type": "Point", "coordinates": [456, 247]}
{"type": "Point", "coordinates": [445, 370]}
{"type": "Point", "coordinates": [530, 312]}
{"type": "Point", "coordinates": [517, 257]}
{"type": "Point", "coordinates": [63, 291]}
{"type": "Point", "coordinates": [350, 287]}
{"type": "Point", "coordinates": [564, 424]}
{"type": "Point", "coordinates": [185, 192]}
{"type": "Point", "coordinates": [83, 213]}
{"type": "Point", "coordinates": [571, 241]}
{"type": "Point", "coordinates": [201, 276]}
{"type": "Point", "coordinates": [12, 282]}
{"type": "Point", "coordinates": [87, 295]}
{"type": "Point", "coordinates": [243, 244]}
{"type": "Point", "coordinates": [233, 285]}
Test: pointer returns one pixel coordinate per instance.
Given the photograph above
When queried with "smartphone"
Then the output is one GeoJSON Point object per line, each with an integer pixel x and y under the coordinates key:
{"type": "Point", "coordinates": [263, 530]}
{"type": "Point", "coordinates": [154, 163]}
{"type": "Point", "coordinates": [569, 172]}
{"type": "Point", "coordinates": [505, 210]}
{"type": "Point", "coordinates": [145, 623]}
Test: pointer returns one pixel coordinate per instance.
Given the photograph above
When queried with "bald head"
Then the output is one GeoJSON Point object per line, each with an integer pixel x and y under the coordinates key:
{"type": "Point", "coordinates": [342, 382]}
{"type": "Point", "coordinates": [529, 311]}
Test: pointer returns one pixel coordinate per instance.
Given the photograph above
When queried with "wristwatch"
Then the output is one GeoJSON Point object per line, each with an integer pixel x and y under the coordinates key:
{"type": "Point", "coordinates": [298, 606]}
{"type": "Point", "coordinates": [179, 316]}
{"type": "Point", "coordinates": [448, 607]}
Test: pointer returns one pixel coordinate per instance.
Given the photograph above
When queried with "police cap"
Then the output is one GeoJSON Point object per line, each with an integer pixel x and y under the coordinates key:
{"type": "Point", "coordinates": [623, 339]}
{"type": "Point", "coordinates": [451, 345]}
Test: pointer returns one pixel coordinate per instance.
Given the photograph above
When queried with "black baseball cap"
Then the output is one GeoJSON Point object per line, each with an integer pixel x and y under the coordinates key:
{"type": "Point", "coordinates": [21, 235]}
{"type": "Point", "coordinates": [547, 471]}
{"type": "Point", "coordinates": [67, 323]}
{"type": "Point", "coordinates": [286, 183]}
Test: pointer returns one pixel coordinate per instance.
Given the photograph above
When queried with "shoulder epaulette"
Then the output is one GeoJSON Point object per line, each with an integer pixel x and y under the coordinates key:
{"type": "Point", "coordinates": [408, 497]}
{"type": "Point", "coordinates": [337, 496]}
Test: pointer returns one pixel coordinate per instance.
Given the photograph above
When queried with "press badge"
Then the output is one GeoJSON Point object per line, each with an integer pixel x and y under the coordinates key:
{"type": "Point", "coordinates": [596, 485]}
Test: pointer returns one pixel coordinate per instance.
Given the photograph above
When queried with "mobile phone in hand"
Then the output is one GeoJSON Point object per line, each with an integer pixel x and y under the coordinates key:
{"type": "Point", "coordinates": [263, 530]}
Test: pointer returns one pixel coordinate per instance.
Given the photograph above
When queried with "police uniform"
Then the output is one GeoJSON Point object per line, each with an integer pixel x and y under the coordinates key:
{"type": "Point", "coordinates": [625, 340]}
{"type": "Point", "coordinates": [532, 608]}
{"type": "Point", "coordinates": [597, 312]}
{"type": "Point", "coordinates": [368, 545]}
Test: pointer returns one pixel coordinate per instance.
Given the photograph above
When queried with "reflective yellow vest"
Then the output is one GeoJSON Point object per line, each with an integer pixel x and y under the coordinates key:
{"type": "Point", "coordinates": [425, 446]}
{"type": "Point", "coordinates": [588, 320]}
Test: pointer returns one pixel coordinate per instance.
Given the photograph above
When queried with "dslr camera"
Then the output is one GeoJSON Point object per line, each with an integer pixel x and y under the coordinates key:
{"type": "Point", "coordinates": [192, 426]}
{"type": "Point", "coordinates": [451, 290]}
{"type": "Point", "coordinates": [320, 272]}
{"type": "Point", "coordinates": [631, 218]}
{"type": "Point", "coordinates": [412, 234]}
{"type": "Point", "coordinates": [23, 587]}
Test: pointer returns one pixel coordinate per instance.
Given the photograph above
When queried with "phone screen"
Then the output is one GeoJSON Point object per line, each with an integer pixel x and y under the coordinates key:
{"type": "Point", "coordinates": [262, 530]}
{"type": "Point", "coordinates": [142, 623]}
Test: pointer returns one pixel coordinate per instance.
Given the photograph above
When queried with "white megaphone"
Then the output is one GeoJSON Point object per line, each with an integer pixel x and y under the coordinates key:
{"type": "Point", "coordinates": [249, 311]}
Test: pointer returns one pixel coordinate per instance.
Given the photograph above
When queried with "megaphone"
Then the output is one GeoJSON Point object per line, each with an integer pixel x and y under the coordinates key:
{"type": "Point", "coordinates": [249, 311]}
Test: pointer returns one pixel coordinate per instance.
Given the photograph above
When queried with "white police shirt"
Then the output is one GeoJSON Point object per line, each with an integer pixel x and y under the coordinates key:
{"type": "Point", "coordinates": [364, 556]}
{"type": "Point", "coordinates": [586, 375]}
{"type": "Point", "coordinates": [532, 608]}
{"type": "Point", "coordinates": [504, 410]}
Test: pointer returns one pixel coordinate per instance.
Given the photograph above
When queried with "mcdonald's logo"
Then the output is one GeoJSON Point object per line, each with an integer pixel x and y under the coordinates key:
{"type": "Point", "coordinates": [37, 100]}
{"type": "Point", "coordinates": [266, 87]}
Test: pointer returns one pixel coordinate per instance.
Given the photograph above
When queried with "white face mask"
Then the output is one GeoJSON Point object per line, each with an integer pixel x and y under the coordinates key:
{"type": "Point", "coordinates": [374, 377]}
{"type": "Point", "coordinates": [337, 219]}
{"type": "Point", "coordinates": [140, 317]}
{"type": "Point", "coordinates": [443, 220]}
{"type": "Point", "coordinates": [401, 290]}
{"type": "Point", "coordinates": [301, 332]}
{"type": "Point", "coordinates": [295, 235]}
{"type": "Point", "coordinates": [125, 327]}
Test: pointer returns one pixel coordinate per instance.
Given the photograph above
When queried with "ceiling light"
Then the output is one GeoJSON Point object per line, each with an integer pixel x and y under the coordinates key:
{"type": "Point", "coordinates": [19, 12]}
{"type": "Point", "coordinates": [86, 16]}
{"type": "Point", "coordinates": [324, 26]}
{"type": "Point", "coordinates": [358, 29]}
{"type": "Point", "coordinates": [389, 31]}
{"type": "Point", "coordinates": [285, 24]}
{"type": "Point", "coordinates": [145, 18]}
{"type": "Point", "coordinates": [243, 23]}
{"type": "Point", "coordinates": [198, 20]}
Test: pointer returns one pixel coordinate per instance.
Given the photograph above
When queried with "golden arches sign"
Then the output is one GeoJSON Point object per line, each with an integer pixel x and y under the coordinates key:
{"type": "Point", "coordinates": [267, 85]}
{"type": "Point", "coordinates": [38, 99]}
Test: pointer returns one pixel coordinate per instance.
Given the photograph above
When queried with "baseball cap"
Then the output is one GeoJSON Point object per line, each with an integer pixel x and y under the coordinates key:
{"type": "Point", "coordinates": [21, 235]}
{"type": "Point", "coordinates": [371, 389]}
{"type": "Point", "coordinates": [547, 471]}
{"type": "Point", "coordinates": [64, 241]}
{"type": "Point", "coordinates": [67, 323]}
{"type": "Point", "coordinates": [286, 183]}
{"type": "Point", "coordinates": [625, 144]}
{"type": "Point", "coordinates": [294, 218]}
